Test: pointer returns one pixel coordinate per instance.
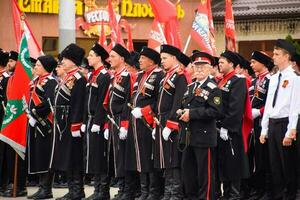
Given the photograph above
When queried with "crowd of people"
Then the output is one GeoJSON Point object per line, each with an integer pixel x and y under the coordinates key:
{"type": "Point", "coordinates": [166, 125]}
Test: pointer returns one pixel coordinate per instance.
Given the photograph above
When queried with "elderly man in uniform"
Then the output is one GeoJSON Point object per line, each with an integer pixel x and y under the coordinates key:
{"type": "Point", "coordinates": [201, 107]}
{"type": "Point", "coordinates": [232, 163]}
{"type": "Point", "coordinates": [279, 123]}
{"type": "Point", "coordinates": [94, 117]}
{"type": "Point", "coordinates": [67, 151]}
{"type": "Point", "coordinates": [40, 126]}
{"type": "Point", "coordinates": [172, 89]}
{"type": "Point", "coordinates": [139, 147]}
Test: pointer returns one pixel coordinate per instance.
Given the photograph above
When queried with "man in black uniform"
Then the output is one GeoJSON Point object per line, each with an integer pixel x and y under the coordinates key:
{"type": "Point", "coordinates": [139, 144]}
{"type": "Point", "coordinates": [172, 89]}
{"type": "Point", "coordinates": [4, 56]}
{"type": "Point", "coordinates": [201, 107]}
{"type": "Point", "coordinates": [232, 158]}
{"type": "Point", "coordinates": [258, 153]}
{"type": "Point", "coordinates": [94, 117]}
{"type": "Point", "coordinates": [39, 130]}
{"type": "Point", "coordinates": [67, 151]}
{"type": "Point", "coordinates": [116, 129]}
{"type": "Point", "coordinates": [9, 160]}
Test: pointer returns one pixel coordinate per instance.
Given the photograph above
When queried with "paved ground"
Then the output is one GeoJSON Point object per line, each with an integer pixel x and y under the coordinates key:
{"type": "Point", "coordinates": [60, 192]}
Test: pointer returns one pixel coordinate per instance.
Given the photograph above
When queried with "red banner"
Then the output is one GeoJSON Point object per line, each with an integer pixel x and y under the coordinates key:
{"type": "Point", "coordinates": [229, 28]}
{"type": "Point", "coordinates": [166, 21]}
{"type": "Point", "coordinates": [201, 28]}
{"type": "Point", "coordinates": [116, 36]}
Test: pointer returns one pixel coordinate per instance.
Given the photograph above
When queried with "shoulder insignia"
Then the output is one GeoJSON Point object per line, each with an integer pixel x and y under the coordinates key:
{"type": "Point", "coordinates": [191, 84]}
{"type": "Point", "coordinates": [50, 77]}
{"type": "Point", "coordinates": [77, 75]}
{"type": "Point", "coordinates": [240, 76]}
{"type": "Point", "coordinates": [103, 71]}
{"type": "Point", "coordinates": [157, 70]}
{"type": "Point", "coordinates": [124, 73]}
{"type": "Point", "coordinates": [211, 85]}
{"type": "Point", "coordinates": [5, 74]}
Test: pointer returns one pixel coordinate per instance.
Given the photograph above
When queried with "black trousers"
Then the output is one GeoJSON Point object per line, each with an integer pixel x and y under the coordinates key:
{"type": "Point", "coordinates": [258, 161]}
{"type": "Point", "coordinates": [282, 160]}
{"type": "Point", "coordinates": [7, 164]}
{"type": "Point", "coordinates": [198, 168]}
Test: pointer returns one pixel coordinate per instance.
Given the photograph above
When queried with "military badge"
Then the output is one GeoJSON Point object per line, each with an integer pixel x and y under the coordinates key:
{"type": "Point", "coordinates": [119, 79]}
{"type": "Point", "coordinates": [256, 93]}
{"type": "Point", "coordinates": [217, 100]}
{"type": "Point", "coordinates": [198, 92]}
{"type": "Point", "coordinates": [167, 86]}
{"type": "Point", "coordinates": [70, 82]}
{"type": "Point", "coordinates": [285, 83]}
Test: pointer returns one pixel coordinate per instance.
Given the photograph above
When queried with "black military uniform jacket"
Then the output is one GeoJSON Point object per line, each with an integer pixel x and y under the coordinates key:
{"type": "Point", "coordinates": [258, 91]}
{"type": "Point", "coordinates": [68, 108]}
{"type": "Point", "coordinates": [232, 163]}
{"type": "Point", "coordinates": [139, 151]}
{"type": "Point", "coordinates": [3, 85]}
{"type": "Point", "coordinates": [172, 89]}
{"type": "Point", "coordinates": [95, 113]}
{"type": "Point", "coordinates": [119, 93]}
{"type": "Point", "coordinates": [39, 138]}
{"type": "Point", "coordinates": [234, 96]}
{"type": "Point", "coordinates": [205, 106]}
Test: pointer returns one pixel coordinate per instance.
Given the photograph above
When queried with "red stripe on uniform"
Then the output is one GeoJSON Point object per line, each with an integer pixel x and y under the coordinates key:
{"type": "Point", "coordinates": [208, 175]}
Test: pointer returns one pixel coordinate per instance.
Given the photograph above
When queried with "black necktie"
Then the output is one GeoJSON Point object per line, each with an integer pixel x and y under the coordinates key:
{"type": "Point", "coordinates": [276, 91]}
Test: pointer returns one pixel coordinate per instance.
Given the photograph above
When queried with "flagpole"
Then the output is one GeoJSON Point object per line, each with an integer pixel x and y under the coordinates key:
{"type": "Point", "coordinates": [187, 43]}
{"type": "Point", "coordinates": [15, 176]}
{"type": "Point", "coordinates": [162, 32]}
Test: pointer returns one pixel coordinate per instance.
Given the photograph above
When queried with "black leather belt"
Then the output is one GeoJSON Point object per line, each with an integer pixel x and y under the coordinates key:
{"type": "Point", "coordinates": [279, 120]}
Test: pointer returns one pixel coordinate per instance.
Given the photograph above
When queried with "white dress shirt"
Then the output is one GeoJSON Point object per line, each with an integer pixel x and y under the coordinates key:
{"type": "Point", "coordinates": [283, 104]}
{"type": "Point", "coordinates": [295, 104]}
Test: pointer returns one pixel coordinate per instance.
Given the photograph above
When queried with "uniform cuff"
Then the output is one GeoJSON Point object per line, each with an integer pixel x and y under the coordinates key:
{"type": "Point", "coordinates": [172, 125]}
{"type": "Point", "coordinates": [124, 124]}
{"type": "Point", "coordinates": [106, 126]}
{"type": "Point", "coordinates": [262, 110]}
{"type": "Point", "coordinates": [75, 127]}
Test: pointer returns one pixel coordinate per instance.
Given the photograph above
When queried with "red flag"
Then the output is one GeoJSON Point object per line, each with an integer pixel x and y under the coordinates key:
{"type": "Point", "coordinates": [156, 38]}
{"type": "Point", "coordinates": [15, 120]}
{"type": "Point", "coordinates": [126, 26]}
{"type": "Point", "coordinates": [163, 10]}
{"type": "Point", "coordinates": [13, 130]}
{"type": "Point", "coordinates": [200, 28]}
{"type": "Point", "coordinates": [211, 29]}
{"type": "Point", "coordinates": [167, 21]}
{"type": "Point", "coordinates": [172, 33]}
{"type": "Point", "coordinates": [116, 36]}
{"type": "Point", "coordinates": [230, 37]}
{"type": "Point", "coordinates": [34, 48]}
{"type": "Point", "coordinates": [102, 38]}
